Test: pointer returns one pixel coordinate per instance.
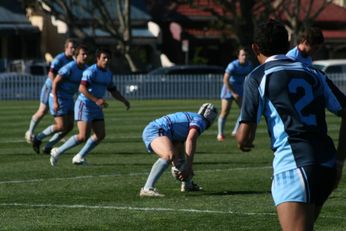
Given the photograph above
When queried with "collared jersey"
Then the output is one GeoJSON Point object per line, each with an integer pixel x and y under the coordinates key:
{"type": "Point", "coordinates": [71, 75]}
{"type": "Point", "coordinates": [59, 61]}
{"type": "Point", "coordinates": [178, 124]}
{"type": "Point", "coordinates": [97, 81]}
{"type": "Point", "coordinates": [295, 54]}
{"type": "Point", "coordinates": [238, 72]}
{"type": "Point", "coordinates": [293, 97]}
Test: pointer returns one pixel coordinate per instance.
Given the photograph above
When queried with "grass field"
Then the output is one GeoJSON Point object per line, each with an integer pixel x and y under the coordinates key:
{"type": "Point", "coordinates": [104, 195]}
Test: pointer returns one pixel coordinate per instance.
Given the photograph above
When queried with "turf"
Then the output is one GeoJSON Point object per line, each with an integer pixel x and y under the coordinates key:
{"type": "Point", "coordinates": [104, 195]}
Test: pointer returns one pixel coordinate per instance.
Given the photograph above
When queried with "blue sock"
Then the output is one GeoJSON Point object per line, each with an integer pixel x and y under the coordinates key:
{"type": "Point", "coordinates": [55, 139]}
{"type": "Point", "coordinates": [70, 143]}
{"type": "Point", "coordinates": [46, 132]}
{"type": "Point", "coordinates": [89, 145]}
{"type": "Point", "coordinates": [156, 171]}
{"type": "Point", "coordinates": [221, 125]}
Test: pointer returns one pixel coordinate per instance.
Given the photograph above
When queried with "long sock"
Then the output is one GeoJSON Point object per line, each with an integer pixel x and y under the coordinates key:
{"type": "Point", "coordinates": [46, 132]}
{"type": "Point", "coordinates": [70, 143]}
{"type": "Point", "coordinates": [55, 139]}
{"type": "Point", "coordinates": [33, 124]}
{"type": "Point", "coordinates": [221, 126]}
{"type": "Point", "coordinates": [89, 145]}
{"type": "Point", "coordinates": [156, 171]}
{"type": "Point", "coordinates": [236, 126]}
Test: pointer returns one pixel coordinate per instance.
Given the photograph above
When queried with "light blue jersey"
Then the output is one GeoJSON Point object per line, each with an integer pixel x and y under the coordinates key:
{"type": "Point", "coordinates": [295, 54]}
{"type": "Point", "coordinates": [71, 77]}
{"type": "Point", "coordinates": [237, 73]}
{"type": "Point", "coordinates": [97, 81]}
{"type": "Point", "coordinates": [59, 61]}
{"type": "Point", "coordinates": [175, 126]}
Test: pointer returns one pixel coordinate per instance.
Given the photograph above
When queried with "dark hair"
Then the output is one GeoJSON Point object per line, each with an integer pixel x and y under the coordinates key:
{"type": "Point", "coordinates": [313, 35]}
{"type": "Point", "coordinates": [80, 47]}
{"type": "Point", "coordinates": [103, 50]}
{"type": "Point", "coordinates": [271, 38]}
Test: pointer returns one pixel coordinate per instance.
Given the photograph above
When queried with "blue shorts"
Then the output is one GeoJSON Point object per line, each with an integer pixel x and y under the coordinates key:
{"type": "Point", "coordinates": [66, 106]}
{"type": "Point", "coordinates": [44, 96]}
{"type": "Point", "coordinates": [226, 94]}
{"type": "Point", "coordinates": [309, 184]}
{"type": "Point", "coordinates": [89, 113]}
{"type": "Point", "coordinates": [152, 131]}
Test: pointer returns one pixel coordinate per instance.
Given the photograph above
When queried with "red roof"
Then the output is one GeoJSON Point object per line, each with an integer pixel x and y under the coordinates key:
{"type": "Point", "coordinates": [332, 13]}
{"type": "Point", "coordinates": [334, 34]}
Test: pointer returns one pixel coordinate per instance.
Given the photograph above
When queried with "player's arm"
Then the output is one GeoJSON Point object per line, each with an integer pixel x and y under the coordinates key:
{"type": "Point", "coordinates": [55, 84]}
{"type": "Point", "coordinates": [116, 95]}
{"type": "Point", "coordinates": [341, 150]}
{"type": "Point", "coordinates": [245, 136]}
{"type": "Point", "coordinates": [190, 149]}
{"type": "Point", "coordinates": [84, 90]}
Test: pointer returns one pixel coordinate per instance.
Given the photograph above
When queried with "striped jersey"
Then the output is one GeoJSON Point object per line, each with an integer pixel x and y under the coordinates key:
{"type": "Point", "coordinates": [293, 97]}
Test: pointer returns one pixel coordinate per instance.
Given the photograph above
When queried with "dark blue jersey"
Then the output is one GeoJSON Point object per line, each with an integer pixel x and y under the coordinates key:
{"type": "Point", "coordinates": [293, 98]}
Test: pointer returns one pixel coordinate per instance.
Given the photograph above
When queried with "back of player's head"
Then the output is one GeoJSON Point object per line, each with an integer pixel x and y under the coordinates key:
{"type": "Point", "coordinates": [209, 112]}
{"type": "Point", "coordinates": [271, 38]}
{"type": "Point", "coordinates": [80, 47]}
{"type": "Point", "coordinates": [313, 35]}
{"type": "Point", "coordinates": [103, 50]}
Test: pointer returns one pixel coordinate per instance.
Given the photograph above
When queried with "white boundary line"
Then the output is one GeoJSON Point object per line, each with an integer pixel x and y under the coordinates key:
{"type": "Point", "coordinates": [116, 175]}
{"type": "Point", "coordinates": [145, 209]}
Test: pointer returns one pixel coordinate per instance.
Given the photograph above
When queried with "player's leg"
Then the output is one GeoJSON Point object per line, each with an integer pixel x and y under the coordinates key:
{"type": "Point", "coordinates": [164, 148]}
{"type": "Point", "coordinates": [35, 119]}
{"type": "Point", "coordinates": [225, 108]}
{"type": "Point", "coordinates": [84, 128]}
{"type": "Point", "coordinates": [236, 126]}
{"type": "Point", "coordinates": [40, 113]}
{"type": "Point", "coordinates": [98, 126]}
{"type": "Point", "coordinates": [296, 216]}
{"type": "Point", "coordinates": [63, 125]}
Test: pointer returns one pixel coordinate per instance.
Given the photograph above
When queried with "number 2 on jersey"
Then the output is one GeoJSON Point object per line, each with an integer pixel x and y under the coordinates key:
{"type": "Point", "coordinates": [304, 101]}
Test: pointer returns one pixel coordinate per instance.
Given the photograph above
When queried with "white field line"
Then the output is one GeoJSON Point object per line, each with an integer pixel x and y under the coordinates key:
{"type": "Point", "coordinates": [116, 175]}
{"type": "Point", "coordinates": [145, 209]}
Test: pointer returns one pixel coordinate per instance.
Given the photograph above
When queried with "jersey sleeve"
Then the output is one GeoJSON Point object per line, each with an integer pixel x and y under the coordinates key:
{"type": "Point", "coordinates": [65, 71]}
{"type": "Point", "coordinates": [230, 68]}
{"type": "Point", "coordinates": [87, 77]}
{"type": "Point", "coordinates": [199, 124]}
{"type": "Point", "coordinates": [111, 86]}
{"type": "Point", "coordinates": [335, 100]}
{"type": "Point", "coordinates": [251, 110]}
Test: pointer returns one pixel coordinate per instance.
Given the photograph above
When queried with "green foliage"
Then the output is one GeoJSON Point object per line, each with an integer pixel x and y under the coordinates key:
{"type": "Point", "coordinates": [104, 194]}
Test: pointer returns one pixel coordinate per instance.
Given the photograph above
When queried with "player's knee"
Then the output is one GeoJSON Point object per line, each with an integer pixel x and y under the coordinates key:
{"type": "Point", "coordinates": [81, 138]}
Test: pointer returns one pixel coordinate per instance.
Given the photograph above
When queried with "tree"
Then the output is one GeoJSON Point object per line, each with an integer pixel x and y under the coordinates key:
{"type": "Point", "coordinates": [240, 16]}
{"type": "Point", "coordinates": [112, 17]}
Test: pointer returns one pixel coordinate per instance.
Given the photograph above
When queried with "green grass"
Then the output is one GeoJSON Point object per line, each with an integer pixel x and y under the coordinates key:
{"type": "Point", "coordinates": [104, 194]}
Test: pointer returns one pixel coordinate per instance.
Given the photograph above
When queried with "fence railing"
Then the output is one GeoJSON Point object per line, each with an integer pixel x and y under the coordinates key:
{"type": "Point", "coordinates": [15, 86]}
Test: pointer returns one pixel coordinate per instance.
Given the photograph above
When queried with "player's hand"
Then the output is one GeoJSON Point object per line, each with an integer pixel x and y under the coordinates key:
{"type": "Point", "coordinates": [184, 174]}
{"type": "Point", "coordinates": [55, 106]}
{"type": "Point", "coordinates": [101, 103]}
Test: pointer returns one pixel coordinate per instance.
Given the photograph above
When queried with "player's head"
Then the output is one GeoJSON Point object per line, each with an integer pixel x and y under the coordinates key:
{"type": "Point", "coordinates": [242, 55]}
{"type": "Point", "coordinates": [310, 39]}
{"type": "Point", "coordinates": [69, 47]}
{"type": "Point", "coordinates": [81, 54]}
{"type": "Point", "coordinates": [271, 38]}
{"type": "Point", "coordinates": [103, 56]}
{"type": "Point", "coordinates": [209, 112]}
